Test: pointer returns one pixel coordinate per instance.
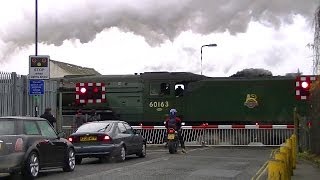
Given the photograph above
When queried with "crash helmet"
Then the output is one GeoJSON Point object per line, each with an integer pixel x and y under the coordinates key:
{"type": "Point", "coordinates": [173, 112]}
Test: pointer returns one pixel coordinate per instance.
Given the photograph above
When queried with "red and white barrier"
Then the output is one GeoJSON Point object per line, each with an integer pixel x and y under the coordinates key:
{"type": "Point", "coordinates": [222, 127]}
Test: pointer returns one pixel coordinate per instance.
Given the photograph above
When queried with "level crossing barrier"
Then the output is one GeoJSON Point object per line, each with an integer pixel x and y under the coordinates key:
{"type": "Point", "coordinates": [218, 135]}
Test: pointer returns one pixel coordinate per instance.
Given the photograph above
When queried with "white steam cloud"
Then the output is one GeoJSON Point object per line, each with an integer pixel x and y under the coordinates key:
{"type": "Point", "coordinates": [156, 21]}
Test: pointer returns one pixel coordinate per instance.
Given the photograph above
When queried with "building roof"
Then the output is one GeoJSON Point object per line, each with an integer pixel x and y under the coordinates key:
{"type": "Point", "coordinates": [74, 69]}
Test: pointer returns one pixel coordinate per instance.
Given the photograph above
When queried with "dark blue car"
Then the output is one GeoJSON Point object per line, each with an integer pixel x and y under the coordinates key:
{"type": "Point", "coordinates": [30, 144]}
{"type": "Point", "coordinates": [105, 139]}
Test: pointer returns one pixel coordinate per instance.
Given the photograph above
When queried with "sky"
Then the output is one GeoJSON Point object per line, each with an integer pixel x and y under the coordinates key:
{"type": "Point", "coordinates": [135, 36]}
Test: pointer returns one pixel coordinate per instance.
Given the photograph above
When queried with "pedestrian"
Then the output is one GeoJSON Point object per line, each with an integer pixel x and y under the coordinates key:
{"type": "Point", "coordinates": [49, 117]}
{"type": "Point", "coordinates": [93, 116]}
{"type": "Point", "coordinates": [79, 119]}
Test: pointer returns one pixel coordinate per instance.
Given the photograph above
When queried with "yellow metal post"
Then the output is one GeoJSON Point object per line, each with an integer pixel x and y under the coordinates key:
{"type": "Point", "coordinates": [294, 151]}
{"type": "Point", "coordinates": [275, 170]}
{"type": "Point", "coordinates": [285, 149]}
{"type": "Point", "coordinates": [289, 145]}
{"type": "Point", "coordinates": [283, 157]}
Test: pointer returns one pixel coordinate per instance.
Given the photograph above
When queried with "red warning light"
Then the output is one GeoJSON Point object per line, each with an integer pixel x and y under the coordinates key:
{"type": "Point", "coordinates": [95, 90]}
{"type": "Point", "coordinates": [83, 90]}
{"type": "Point", "coordinates": [305, 85]}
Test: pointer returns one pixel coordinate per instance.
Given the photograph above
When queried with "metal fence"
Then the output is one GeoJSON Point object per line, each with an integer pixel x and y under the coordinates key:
{"type": "Point", "coordinates": [15, 98]}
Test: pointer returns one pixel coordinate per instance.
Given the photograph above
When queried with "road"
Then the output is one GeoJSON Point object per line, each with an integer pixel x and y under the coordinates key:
{"type": "Point", "coordinates": [198, 163]}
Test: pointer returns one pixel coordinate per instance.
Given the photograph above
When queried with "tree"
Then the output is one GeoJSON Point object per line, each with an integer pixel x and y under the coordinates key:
{"type": "Point", "coordinates": [252, 72]}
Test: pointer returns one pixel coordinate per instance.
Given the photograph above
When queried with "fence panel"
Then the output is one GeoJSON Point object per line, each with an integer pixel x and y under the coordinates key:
{"type": "Point", "coordinates": [15, 98]}
{"type": "Point", "coordinates": [6, 94]}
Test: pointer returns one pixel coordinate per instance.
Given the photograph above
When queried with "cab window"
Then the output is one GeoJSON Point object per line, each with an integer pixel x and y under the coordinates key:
{"type": "Point", "coordinates": [179, 89]}
{"type": "Point", "coordinates": [165, 89]}
{"type": "Point", "coordinates": [154, 89]}
{"type": "Point", "coordinates": [159, 89]}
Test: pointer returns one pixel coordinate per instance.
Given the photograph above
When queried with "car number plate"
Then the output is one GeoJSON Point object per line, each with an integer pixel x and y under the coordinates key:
{"type": "Point", "coordinates": [88, 138]}
{"type": "Point", "coordinates": [170, 136]}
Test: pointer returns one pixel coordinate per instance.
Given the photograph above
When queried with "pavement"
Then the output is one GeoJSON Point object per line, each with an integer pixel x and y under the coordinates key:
{"type": "Point", "coordinates": [306, 170]}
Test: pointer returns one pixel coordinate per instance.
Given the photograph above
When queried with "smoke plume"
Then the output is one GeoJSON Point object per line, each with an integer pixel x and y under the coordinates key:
{"type": "Point", "coordinates": [156, 21]}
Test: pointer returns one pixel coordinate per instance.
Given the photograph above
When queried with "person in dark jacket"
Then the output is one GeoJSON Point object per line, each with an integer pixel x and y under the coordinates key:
{"type": "Point", "coordinates": [93, 116]}
{"type": "Point", "coordinates": [79, 119]}
{"type": "Point", "coordinates": [48, 116]}
{"type": "Point", "coordinates": [175, 122]}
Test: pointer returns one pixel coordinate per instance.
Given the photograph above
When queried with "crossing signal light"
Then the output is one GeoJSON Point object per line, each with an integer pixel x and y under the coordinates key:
{"type": "Point", "coordinates": [83, 90]}
{"type": "Point", "coordinates": [303, 86]}
{"type": "Point", "coordinates": [90, 93]}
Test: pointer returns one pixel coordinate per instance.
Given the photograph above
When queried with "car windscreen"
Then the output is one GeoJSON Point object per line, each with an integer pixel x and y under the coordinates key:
{"type": "Point", "coordinates": [94, 127]}
{"type": "Point", "coordinates": [7, 127]}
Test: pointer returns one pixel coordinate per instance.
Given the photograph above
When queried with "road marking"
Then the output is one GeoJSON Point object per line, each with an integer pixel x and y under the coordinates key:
{"type": "Point", "coordinates": [263, 167]}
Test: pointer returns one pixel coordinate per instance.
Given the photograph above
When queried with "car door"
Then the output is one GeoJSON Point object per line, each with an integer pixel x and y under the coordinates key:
{"type": "Point", "coordinates": [55, 146]}
{"type": "Point", "coordinates": [134, 138]}
{"type": "Point", "coordinates": [126, 137]}
{"type": "Point", "coordinates": [32, 130]}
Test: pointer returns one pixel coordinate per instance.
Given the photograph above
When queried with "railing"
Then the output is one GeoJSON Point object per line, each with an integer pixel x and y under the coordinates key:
{"type": "Point", "coordinates": [218, 135]}
{"type": "Point", "coordinates": [15, 99]}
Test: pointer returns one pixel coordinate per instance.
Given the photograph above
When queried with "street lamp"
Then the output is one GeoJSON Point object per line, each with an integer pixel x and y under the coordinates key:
{"type": "Point", "coordinates": [208, 45]}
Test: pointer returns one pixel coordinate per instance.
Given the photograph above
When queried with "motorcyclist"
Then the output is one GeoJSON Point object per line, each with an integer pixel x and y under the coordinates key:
{"type": "Point", "coordinates": [175, 122]}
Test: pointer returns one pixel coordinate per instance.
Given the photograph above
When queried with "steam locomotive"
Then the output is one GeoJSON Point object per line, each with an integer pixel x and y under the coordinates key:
{"type": "Point", "coordinates": [147, 98]}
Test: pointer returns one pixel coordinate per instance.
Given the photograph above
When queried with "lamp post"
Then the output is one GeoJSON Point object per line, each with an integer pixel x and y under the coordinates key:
{"type": "Point", "coordinates": [36, 110]}
{"type": "Point", "coordinates": [208, 45]}
{"type": "Point", "coordinates": [36, 28]}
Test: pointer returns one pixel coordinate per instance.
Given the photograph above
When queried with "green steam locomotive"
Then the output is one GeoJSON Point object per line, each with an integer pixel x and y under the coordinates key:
{"type": "Point", "coordinates": [147, 98]}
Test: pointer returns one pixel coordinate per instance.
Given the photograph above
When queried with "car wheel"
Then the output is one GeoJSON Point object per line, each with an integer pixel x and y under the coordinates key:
{"type": "Point", "coordinates": [70, 163]}
{"type": "Point", "coordinates": [143, 151]}
{"type": "Point", "coordinates": [32, 166]}
{"type": "Point", "coordinates": [122, 156]}
{"type": "Point", "coordinates": [78, 160]}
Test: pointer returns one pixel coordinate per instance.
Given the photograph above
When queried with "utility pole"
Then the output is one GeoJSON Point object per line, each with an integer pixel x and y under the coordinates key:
{"type": "Point", "coordinates": [36, 109]}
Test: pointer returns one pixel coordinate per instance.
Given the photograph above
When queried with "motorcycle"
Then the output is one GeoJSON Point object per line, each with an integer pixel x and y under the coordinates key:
{"type": "Point", "coordinates": [173, 141]}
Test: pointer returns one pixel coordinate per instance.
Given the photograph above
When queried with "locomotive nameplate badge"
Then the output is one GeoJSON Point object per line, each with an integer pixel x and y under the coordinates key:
{"type": "Point", "coordinates": [251, 101]}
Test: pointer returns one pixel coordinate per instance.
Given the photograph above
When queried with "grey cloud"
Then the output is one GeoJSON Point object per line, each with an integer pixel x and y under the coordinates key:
{"type": "Point", "coordinates": [156, 21]}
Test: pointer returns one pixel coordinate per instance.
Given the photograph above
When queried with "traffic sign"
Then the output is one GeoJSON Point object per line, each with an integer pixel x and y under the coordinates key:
{"type": "Point", "coordinates": [39, 67]}
{"type": "Point", "coordinates": [36, 87]}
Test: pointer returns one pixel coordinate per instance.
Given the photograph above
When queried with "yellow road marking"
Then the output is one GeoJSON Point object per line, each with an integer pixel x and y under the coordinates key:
{"type": "Point", "coordinates": [263, 167]}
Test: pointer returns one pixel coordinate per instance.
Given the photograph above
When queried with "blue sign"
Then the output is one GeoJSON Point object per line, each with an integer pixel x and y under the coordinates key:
{"type": "Point", "coordinates": [36, 87]}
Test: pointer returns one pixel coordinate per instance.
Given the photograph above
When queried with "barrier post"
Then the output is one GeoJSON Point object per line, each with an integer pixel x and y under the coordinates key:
{"type": "Point", "coordinates": [282, 157]}
{"type": "Point", "coordinates": [285, 149]}
{"type": "Point", "coordinates": [275, 170]}
{"type": "Point", "coordinates": [289, 145]}
{"type": "Point", "coordinates": [294, 151]}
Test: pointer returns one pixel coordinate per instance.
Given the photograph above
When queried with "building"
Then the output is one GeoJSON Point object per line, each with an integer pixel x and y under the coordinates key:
{"type": "Point", "coordinates": [59, 69]}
